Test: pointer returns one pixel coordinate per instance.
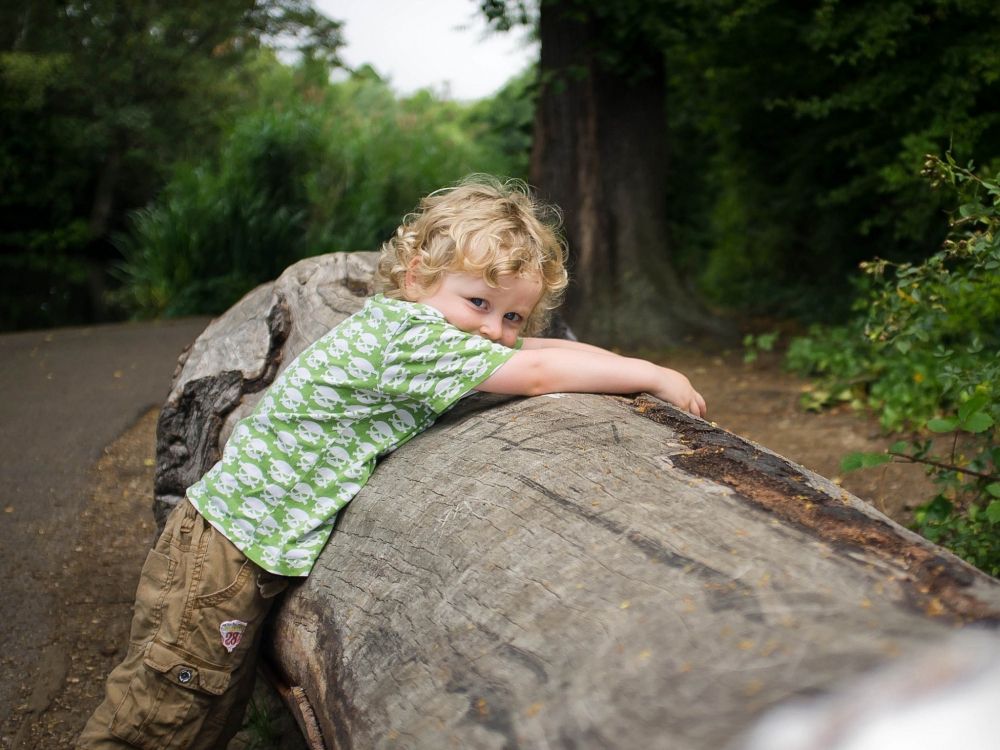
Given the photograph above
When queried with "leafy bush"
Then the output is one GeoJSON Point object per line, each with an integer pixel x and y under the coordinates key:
{"type": "Point", "coordinates": [310, 168]}
{"type": "Point", "coordinates": [922, 352]}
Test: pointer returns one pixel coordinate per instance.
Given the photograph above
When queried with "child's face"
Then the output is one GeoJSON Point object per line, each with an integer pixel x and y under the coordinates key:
{"type": "Point", "coordinates": [472, 305]}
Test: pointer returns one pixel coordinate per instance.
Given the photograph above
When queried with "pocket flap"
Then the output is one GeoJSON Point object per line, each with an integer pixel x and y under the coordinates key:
{"type": "Point", "coordinates": [182, 670]}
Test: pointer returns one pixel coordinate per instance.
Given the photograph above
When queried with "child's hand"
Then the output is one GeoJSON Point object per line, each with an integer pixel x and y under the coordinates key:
{"type": "Point", "coordinates": [676, 389]}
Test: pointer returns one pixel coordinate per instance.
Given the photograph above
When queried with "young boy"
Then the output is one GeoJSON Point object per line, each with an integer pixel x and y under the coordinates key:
{"type": "Point", "coordinates": [465, 278]}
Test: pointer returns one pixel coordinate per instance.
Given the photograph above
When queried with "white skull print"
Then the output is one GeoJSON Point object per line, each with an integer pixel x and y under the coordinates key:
{"type": "Point", "coordinates": [307, 460]}
{"type": "Point", "coordinates": [451, 336]}
{"type": "Point", "coordinates": [337, 456]}
{"type": "Point", "coordinates": [448, 388]}
{"type": "Point", "coordinates": [303, 493]}
{"type": "Point", "coordinates": [262, 422]}
{"type": "Point", "coordinates": [324, 476]}
{"type": "Point", "coordinates": [402, 421]}
{"type": "Point", "coordinates": [364, 451]}
{"type": "Point", "coordinates": [226, 484]}
{"type": "Point", "coordinates": [380, 432]}
{"type": "Point", "coordinates": [366, 343]}
{"type": "Point", "coordinates": [314, 538]}
{"type": "Point", "coordinates": [297, 559]}
{"type": "Point", "coordinates": [242, 531]}
{"type": "Point", "coordinates": [309, 431]}
{"type": "Point", "coordinates": [393, 377]}
{"type": "Point", "coordinates": [270, 556]}
{"type": "Point", "coordinates": [334, 375]}
{"type": "Point", "coordinates": [274, 494]}
{"type": "Point", "coordinates": [316, 358]}
{"type": "Point", "coordinates": [299, 377]}
{"type": "Point", "coordinates": [286, 442]}
{"type": "Point", "coordinates": [281, 472]}
{"type": "Point", "coordinates": [254, 508]}
{"type": "Point", "coordinates": [241, 432]}
{"type": "Point", "coordinates": [295, 520]}
{"type": "Point", "coordinates": [390, 354]}
{"type": "Point", "coordinates": [217, 508]}
{"type": "Point", "coordinates": [343, 435]}
{"type": "Point", "coordinates": [326, 505]}
{"type": "Point", "coordinates": [354, 470]}
{"type": "Point", "coordinates": [256, 449]}
{"type": "Point", "coordinates": [376, 318]}
{"type": "Point", "coordinates": [326, 397]}
{"type": "Point", "coordinates": [267, 528]}
{"type": "Point", "coordinates": [360, 369]}
{"type": "Point", "coordinates": [421, 383]}
{"type": "Point", "coordinates": [367, 397]}
{"type": "Point", "coordinates": [347, 491]}
{"type": "Point", "coordinates": [266, 403]}
{"type": "Point", "coordinates": [250, 475]}
{"type": "Point", "coordinates": [231, 451]}
{"type": "Point", "coordinates": [475, 367]}
{"type": "Point", "coordinates": [425, 353]}
{"type": "Point", "coordinates": [351, 327]}
{"type": "Point", "coordinates": [417, 335]}
{"type": "Point", "coordinates": [446, 362]}
{"type": "Point", "coordinates": [357, 411]}
{"type": "Point", "coordinates": [338, 347]}
{"type": "Point", "coordinates": [292, 399]}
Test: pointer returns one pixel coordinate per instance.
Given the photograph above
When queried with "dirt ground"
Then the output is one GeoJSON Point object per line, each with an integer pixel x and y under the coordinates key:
{"type": "Point", "coordinates": [758, 401]}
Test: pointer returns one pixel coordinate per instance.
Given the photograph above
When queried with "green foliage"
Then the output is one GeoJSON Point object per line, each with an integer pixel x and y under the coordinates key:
{"type": "Point", "coordinates": [794, 131]}
{"type": "Point", "coordinates": [754, 344]}
{"type": "Point", "coordinates": [922, 352]}
{"type": "Point", "coordinates": [98, 103]}
{"type": "Point", "coordinates": [311, 168]}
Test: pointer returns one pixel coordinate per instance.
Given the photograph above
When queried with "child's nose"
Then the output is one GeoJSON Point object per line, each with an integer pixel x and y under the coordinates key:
{"type": "Point", "coordinates": [490, 329]}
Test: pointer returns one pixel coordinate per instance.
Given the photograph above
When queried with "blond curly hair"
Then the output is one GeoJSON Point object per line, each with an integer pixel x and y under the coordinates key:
{"type": "Point", "coordinates": [481, 225]}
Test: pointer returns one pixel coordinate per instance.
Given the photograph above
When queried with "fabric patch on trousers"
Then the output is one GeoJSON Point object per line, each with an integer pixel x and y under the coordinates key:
{"type": "Point", "coordinates": [232, 633]}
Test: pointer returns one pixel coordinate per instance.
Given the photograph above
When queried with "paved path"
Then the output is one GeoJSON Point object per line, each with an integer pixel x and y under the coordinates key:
{"type": "Point", "coordinates": [64, 395]}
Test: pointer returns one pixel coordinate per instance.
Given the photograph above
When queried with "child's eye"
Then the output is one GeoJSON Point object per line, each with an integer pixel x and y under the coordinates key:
{"type": "Point", "coordinates": [513, 317]}
{"type": "Point", "coordinates": [477, 301]}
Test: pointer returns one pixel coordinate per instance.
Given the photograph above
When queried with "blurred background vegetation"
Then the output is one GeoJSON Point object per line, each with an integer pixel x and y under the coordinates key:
{"type": "Point", "coordinates": [738, 156]}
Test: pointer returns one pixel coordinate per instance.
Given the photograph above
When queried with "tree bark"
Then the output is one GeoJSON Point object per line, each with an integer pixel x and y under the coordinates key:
{"type": "Point", "coordinates": [565, 571]}
{"type": "Point", "coordinates": [600, 154]}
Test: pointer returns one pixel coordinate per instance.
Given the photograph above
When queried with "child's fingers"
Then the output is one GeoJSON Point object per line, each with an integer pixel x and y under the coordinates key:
{"type": "Point", "coordinates": [702, 406]}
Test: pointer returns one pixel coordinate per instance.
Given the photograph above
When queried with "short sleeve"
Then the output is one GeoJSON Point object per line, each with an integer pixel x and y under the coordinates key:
{"type": "Point", "coordinates": [435, 364]}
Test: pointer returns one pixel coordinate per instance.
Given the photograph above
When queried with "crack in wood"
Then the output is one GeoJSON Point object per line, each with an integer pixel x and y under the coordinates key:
{"type": "Point", "coordinates": [932, 583]}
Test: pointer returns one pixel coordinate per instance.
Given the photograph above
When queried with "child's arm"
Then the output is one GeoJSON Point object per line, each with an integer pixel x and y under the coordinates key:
{"type": "Point", "coordinates": [585, 369]}
{"type": "Point", "coordinates": [534, 343]}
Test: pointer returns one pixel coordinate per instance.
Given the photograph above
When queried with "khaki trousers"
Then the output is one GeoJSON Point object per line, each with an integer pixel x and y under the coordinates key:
{"type": "Point", "coordinates": [189, 669]}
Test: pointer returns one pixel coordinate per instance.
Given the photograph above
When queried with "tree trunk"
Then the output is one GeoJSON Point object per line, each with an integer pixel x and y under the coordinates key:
{"type": "Point", "coordinates": [600, 154]}
{"type": "Point", "coordinates": [564, 571]}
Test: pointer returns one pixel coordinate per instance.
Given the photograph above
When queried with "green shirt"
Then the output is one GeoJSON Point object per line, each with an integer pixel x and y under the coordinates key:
{"type": "Point", "coordinates": [367, 386]}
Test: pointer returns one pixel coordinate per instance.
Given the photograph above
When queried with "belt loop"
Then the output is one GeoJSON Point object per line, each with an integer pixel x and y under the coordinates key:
{"type": "Point", "coordinates": [190, 516]}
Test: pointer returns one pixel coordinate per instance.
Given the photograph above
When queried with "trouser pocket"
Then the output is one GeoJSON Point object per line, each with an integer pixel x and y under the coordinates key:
{"type": "Point", "coordinates": [195, 631]}
{"type": "Point", "coordinates": [168, 699]}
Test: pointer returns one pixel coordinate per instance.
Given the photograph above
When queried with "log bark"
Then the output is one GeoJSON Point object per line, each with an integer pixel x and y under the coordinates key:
{"type": "Point", "coordinates": [566, 571]}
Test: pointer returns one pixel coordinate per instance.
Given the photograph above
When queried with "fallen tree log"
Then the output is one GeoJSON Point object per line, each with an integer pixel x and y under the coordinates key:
{"type": "Point", "coordinates": [568, 571]}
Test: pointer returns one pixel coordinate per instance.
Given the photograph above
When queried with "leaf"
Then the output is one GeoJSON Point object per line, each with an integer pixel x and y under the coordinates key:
{"type": "Point", "coordinates": [973, 405]}
{"type": "Point", "coordinates": [977, 422]}
{"type": "Point", "coordinates": [993, 489]}
{"type": "Point", "coordinates": [852, 462]}
{"type": "Point", "coordinates": [855, 461]}
{"type": "Point", "coordinates": [899, 446]}
{"type": "Point", "coordinates": [942, 425]}
{"type": "Point", "coordinates": [993, 511]}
